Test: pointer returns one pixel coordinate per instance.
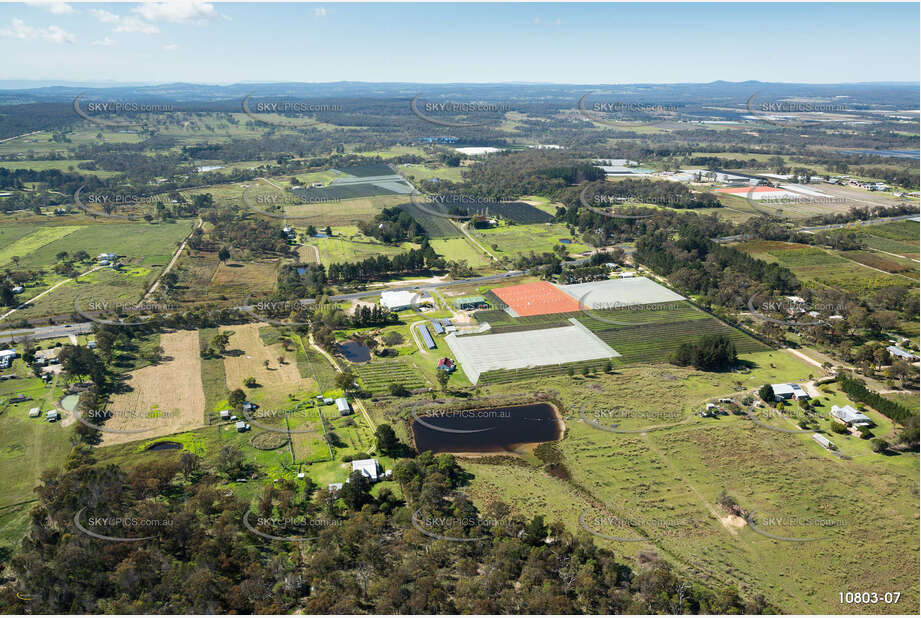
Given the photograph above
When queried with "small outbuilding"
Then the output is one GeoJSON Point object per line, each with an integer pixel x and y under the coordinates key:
{"type": "Point", "coordinates": [342, 404]}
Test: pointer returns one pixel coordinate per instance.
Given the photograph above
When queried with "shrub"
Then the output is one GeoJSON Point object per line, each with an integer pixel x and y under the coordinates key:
{"type": "Point", "coordinates": [398, 390]}
{"type": "Point", "coordinates": [879, 445]}
{"type": "Point", "coordinates": [838, 427]}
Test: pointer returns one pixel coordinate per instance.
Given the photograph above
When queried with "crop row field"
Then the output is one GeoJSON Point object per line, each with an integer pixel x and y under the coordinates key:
{"type": "Point", "coordinates": [435, 226]}
{"type": "Point", "coordinates": [377, 376]}
{"type": "Point", "coordinates": [655, 342]}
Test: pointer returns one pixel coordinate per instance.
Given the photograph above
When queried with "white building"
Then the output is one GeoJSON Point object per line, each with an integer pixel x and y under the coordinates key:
{"type": "Point", "coordinates": [895, 350]}
{"type": "Point", "coordinates": [368, 467]}
{"type": "Point", "coordinates": [342, 404]}
{"type": "Point", "coordinates": [851, 416]}
{"type": "Point", "coordinates": [823, 441]}
{"type": "Point", "coordinates": [400, 301]}
{"type": "Point", "coordinates": [789, 391]}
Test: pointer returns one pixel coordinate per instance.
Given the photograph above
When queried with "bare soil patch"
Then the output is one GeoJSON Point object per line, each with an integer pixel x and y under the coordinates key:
{"type": "Point", "coordinates": [167, 397]}
{"type": "Point", "coordinates": [246, 356]}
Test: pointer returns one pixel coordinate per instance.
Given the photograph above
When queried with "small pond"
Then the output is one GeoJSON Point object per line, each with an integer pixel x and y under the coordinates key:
{"type": "Point", "coordinates": [164, 446]}
{"type": "Point", "coordinates": [355, 352]}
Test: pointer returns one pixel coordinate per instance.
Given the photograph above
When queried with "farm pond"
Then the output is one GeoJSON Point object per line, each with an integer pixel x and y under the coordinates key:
{"type": "Point", "coordinates": [487, 430]}
{"type": "Point", "coordinates": [355, 352]}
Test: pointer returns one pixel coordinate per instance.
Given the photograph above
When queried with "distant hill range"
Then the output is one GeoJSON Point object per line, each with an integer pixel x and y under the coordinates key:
{"type": "Point", "coordinates": [898, 95]}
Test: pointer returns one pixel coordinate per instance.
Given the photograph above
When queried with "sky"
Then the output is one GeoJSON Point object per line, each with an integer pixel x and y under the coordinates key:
{"type": "Point", "coordinates": [590, 43]}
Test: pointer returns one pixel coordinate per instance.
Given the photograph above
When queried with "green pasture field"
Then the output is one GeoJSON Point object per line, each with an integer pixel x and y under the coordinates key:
{"type": "Point", "coordinates": [142, 244]}
{"type": "Point", "coordinates": [389, 153]}
{"type": "Point", "coordinates": [42, 143]}
{"type": "Point", "coordinates": [460, 249]}
{"type": "Point", "coordinates": [897, 230]}
{"type": "Point", "coordinates": [28, 446]}
{"type": "Point", "coordinates": [665, 484]}
{"type": "Point", "coordinates": [513, 241]}
{"type": "Point", "coordinates": [350, 245]}
{"type": "Point", "coordinates": [64, 165]}
{"type": "Point", "coordinates": [346, 212]}
{"type": "Point", "coordinates": [32, 240]}
{"type": "Point", "coordinates": [417, 172]}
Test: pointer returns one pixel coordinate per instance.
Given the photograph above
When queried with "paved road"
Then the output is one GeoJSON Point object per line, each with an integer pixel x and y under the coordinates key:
{"type": "Point", "coordinates": [47, 332]}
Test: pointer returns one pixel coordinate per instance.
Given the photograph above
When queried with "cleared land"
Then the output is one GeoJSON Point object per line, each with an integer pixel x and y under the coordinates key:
{"type": "Point", "coordinates": [249, 356]}
{"type": "Point", "coordinates": [166, 398]}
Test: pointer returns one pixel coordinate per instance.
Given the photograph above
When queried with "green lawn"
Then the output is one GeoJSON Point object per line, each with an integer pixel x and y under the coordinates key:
{"type": "Point", "coordinates": [512, 241]}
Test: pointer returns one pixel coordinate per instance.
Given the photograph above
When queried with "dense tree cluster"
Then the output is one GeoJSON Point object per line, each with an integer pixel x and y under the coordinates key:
{"type": "Point", "coordinates": [697, 265]}
{"type": "Point", "coordinates": [710, 353]}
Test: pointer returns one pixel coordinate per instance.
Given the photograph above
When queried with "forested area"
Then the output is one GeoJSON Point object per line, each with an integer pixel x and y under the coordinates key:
{"type": "Point", "coordinates": [361, 554]}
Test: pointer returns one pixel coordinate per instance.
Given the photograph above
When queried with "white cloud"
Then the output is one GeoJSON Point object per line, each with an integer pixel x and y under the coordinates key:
{"type": "Point", "coordinates": [55, 6]}
{"type": "Point", "coordinates": [19, 30]}
{"type": "Point", "coordinates": [178, 11]}
{"type": "Point", "coordinates": [105, 16]}
{"type": "Point", "coordinates": [105, 42]}
{"type": "Point", "coordinates": [319, 12]}
{"type": "Point", "coordinates": [131, 23]}
{"type": "Point", "coordinates": [135, 24]}
{"type": "Point", "coordinates": [171, 47]}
